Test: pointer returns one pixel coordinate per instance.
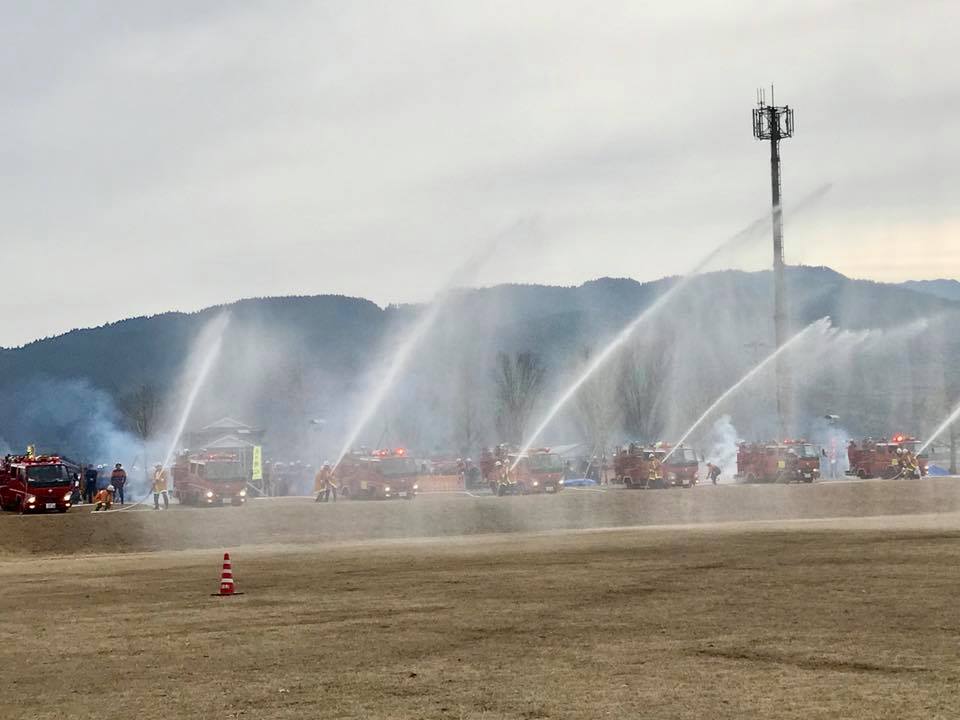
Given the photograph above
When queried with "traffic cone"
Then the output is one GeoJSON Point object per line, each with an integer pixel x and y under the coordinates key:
{"type": "Point", "coordinates": [226, 579]}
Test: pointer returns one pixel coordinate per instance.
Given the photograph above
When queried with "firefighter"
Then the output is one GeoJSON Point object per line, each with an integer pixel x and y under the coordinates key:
{"type": "Point", "coordinates": [160, 487]}
{"type": "Point", "coordinates": [331, 487]}
{"type": "Point", "coordinates": [104, 498]}
{"type": "Point", "coordinates": [655, 475]}
{"type": "Point", "coordinates": [713, 472]}
{"type": "Point", "coordinates": [118, 478]}
{"type": "Point", "coordinates": [908, 463]}
{"type": "Point", "coordinates": [321, 483]}
{"type": "Point", "coordinates": [89, 483]}
{"type": "Point", "coordinates": [499, 477]}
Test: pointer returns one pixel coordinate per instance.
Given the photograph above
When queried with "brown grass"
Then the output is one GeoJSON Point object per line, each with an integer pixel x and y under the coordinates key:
{"type": "Point", "coordinates": [807, 620]}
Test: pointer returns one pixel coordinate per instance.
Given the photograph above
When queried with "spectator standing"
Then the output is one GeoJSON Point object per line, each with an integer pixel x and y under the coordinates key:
{"type": "Point", "coordinates": [90, 475]}
{"type": "Point", "coordinates": [118, 478]}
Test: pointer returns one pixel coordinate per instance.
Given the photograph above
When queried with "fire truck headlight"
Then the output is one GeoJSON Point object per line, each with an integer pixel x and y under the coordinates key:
{"type": "Point", "coordinates": [536, 483]}
{"type": "Point", "coordinates": [31, 499]}
{"type": "Point", "coordinates": [67, 496]}
{"type": "Point", "coordinates": [243, 492]}
{"type": "Point", "coordinates": [209, 494]}
{"type": "Point", "coordinates": [387, 489]}
{"type": "Point", "coordinates": [671, 477]}
{"type": "Point", "coordinates": [562, 481]}
{"type": "Point", "coordinates": [416, 487]}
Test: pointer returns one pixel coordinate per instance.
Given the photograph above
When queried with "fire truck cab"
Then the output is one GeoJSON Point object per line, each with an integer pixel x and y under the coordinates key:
{"type": "Point", "coordinates": [871, 459]}
{"type": "Point", "coordinates": [639, 467]}
{"type": "Point", "coordinates": [680, 467]}
{"type": "Point", "coordinates": [536, 471]}
{"type": "Point", "coordinates": [789, 461]}
{"type": "Point", "coordinates": [36, 483]}
{"type": "Point", "coordinates": [381, 475]}
{"type": "Point", "coordinates": [210, 479]}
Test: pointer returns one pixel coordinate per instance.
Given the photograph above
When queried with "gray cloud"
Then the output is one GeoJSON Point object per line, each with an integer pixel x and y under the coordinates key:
{"type": "Point", "coordinates": [183, 154]}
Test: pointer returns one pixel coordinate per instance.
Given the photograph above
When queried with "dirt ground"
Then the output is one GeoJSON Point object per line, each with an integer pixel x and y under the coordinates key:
{"type": "Point", "coordinates": [786, 618]}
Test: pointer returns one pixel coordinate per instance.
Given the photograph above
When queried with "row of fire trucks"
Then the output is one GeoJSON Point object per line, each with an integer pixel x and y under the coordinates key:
{"type": "Point", "coordinates": [46, 482]}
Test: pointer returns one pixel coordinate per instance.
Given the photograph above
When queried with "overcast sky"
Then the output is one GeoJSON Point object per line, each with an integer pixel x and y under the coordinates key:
{"type": "Point", "coordinates": [174, 155]}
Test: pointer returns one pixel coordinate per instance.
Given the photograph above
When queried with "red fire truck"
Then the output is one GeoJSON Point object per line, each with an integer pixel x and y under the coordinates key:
{"type": "Point", "coordinates": [787, 461]}
{"type": "Point", "coordinates": [871, 459]}
{"type": "Point", "coordinates": [537, 471]}
{"type": "Point", "coordinates": [380, 475]}
{"type": "Point", "coordinates": [641, 467]}
{"type": "Point", "coordinates": [681, 467]}
{"type": "Point", "coordinates": [36, 483]}
{"type": "Point", "coordinates": [210, 479]}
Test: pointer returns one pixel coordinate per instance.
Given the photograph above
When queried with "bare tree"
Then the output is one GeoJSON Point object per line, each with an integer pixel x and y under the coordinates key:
{"type": "Point", "coordinates": [642, 377]}
{"type": "Point", "coordinates": [466, 412]}
{"type": "Point", "coordinates": [519, 382]}
{"type": "Point", "coordinates": [141, 408]}
{"type": "Point", "coordinates": [597, 411]}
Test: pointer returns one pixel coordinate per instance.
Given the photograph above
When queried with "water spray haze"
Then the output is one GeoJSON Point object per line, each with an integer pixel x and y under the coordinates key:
{"type": "Point", "coordinates": [751, 231]}
{"type": "Point", "coordinates": [822, 325]}
{"type": "Point", "coordinates": [421, 328]}
{"type": "Point", "coordinates": [209, 344]}
{"type": "Point", "coordinates": [723, 445]}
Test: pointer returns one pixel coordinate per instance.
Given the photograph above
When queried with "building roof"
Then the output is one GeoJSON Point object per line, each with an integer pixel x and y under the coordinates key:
{"type": "Point", "coordinates": [227, 442]}
{"type": "Point", "coordinates": [228, 423]}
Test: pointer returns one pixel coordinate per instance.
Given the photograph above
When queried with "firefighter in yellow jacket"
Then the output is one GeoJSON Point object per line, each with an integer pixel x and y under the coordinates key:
{"type": "Point", "coordinates": [160, 487]}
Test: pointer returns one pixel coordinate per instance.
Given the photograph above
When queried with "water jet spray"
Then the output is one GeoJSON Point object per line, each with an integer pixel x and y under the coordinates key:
{"type": "Point", "coordinates": [747, 233]}
{"type": "Point", "coordinates": [822, 323]}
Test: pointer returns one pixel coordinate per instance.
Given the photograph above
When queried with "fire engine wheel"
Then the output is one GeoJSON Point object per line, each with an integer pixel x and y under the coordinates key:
{"type": "Point", "coordinates": [862, 474]}
{"type": "Point", "coordinates": [751, 478]}
{"type": "Point", "coordinates": [500, 490]}
{"type": "Point", "coordinates": [628, 483]}
{"type": "Point", "coordinates": [893, 473]}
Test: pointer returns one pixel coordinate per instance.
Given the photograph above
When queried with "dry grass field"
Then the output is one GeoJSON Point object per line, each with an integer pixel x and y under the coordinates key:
{"type": "Point", "coordinates": [346, 613]}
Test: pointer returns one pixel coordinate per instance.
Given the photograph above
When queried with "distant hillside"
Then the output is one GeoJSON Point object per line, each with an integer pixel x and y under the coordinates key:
{"type": "Point", "coordinates": [287, 361]}
{"type": "Point", "coordinates": [946, 289]}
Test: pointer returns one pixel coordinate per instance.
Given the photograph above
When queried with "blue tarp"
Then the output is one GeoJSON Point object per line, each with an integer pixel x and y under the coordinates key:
{"type": "Point", "coordinates": [936, 470]}
{"type": "Point", "coordinates": [579, 482]}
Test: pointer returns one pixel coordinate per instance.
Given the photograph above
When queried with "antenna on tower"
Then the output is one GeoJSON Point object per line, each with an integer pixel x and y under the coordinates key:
{"type": "Point", "coordinates": [774, 124]}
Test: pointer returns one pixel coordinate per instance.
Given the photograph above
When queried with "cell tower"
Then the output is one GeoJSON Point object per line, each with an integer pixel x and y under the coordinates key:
{"type": "Point", "coordinates": [774, 124]}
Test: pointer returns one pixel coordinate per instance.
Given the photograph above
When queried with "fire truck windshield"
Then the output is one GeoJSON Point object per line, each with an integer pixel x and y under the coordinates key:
{"type": "Point", "coordinates": [222, 471]}
{"type": "Point", "coordinates": [47, 475]}
{"type": "Point", "coordinates": [807, 451]}
{"type": "Point", "coordinates": [683, 455]}
{"type": "Point", "coordinates": [397, 466]}
{"type": "Point", "coordinates": [545, 463]}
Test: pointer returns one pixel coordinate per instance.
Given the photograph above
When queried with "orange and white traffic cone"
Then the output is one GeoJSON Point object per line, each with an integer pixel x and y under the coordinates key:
{"type": "Point", "coordinates": [226, 578]}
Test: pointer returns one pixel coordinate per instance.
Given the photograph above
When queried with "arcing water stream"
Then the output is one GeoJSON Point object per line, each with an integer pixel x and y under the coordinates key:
{"type": "Point", "coordinates": [397, 363]}
{"type": "Point", "coordinates": [212, 338]}
{"type": "Point", "coordinates": [951, 419]}
{"type": "Point", "coordinates": [759, 225]}
{"type": "Point", "coordinates": [418, 332]}
{"type": "Point", "coordinates": [822, 324]}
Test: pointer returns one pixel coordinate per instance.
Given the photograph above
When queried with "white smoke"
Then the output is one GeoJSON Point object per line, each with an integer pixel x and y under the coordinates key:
{"type": "Point", "coordinates": [832, 439]}
{"type": "Point", "coordinates": [722, 452]}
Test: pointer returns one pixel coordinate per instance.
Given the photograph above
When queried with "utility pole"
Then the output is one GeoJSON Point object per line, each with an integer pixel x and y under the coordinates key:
{"type": "Point", "coordinates": [774, 124]}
